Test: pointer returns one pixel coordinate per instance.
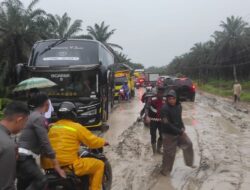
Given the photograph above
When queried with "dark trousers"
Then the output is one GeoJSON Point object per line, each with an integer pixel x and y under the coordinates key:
{"type": "Point", "coordinates": [154, 126]}
{"type": "Point", "coordinates": [170, 143]}
{"type": "Point", "coordinates": [29, 175]}
{"type": "Point", "coordinates": [236, 98]}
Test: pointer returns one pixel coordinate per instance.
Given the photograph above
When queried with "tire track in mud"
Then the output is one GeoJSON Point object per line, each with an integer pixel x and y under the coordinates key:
{"type": "Point", "coordinates": [237, 117]}
{"type": "Point", "coordinates": [220, 134]}
{"type": "Point", "coordinates": [221, 160]}
{"type": "Point", "coordinates": [136, 168]}
{"type": "Point", "coordinates": [202, 166]}
{"type": "Point", "coordinates": [195, 180]}
{"type": "Point", "coordinates": [133, 163]}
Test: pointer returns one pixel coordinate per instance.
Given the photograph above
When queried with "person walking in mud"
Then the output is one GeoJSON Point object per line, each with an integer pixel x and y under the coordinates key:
{"type": "Point", "coordinates": [152, 112]}
{"type": "Point", "coordinates": [173, 133]}
{"type": "Point", "coordinates": [237, 91]}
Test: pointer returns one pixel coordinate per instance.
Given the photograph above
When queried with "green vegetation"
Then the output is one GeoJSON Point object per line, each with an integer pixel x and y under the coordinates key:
{"type": "Point", "coordinates": [101, 33]}
{"type": "Point", "coordinates": [225, 88]}
{"type": "Point", "coordinates": [21, 27]}
{"type": "Point", "coordinates": [3, 103]}
{"type": "Point", "coordinates": [226, 56]}
{"type": "Point", "coordinates": [161, 70]}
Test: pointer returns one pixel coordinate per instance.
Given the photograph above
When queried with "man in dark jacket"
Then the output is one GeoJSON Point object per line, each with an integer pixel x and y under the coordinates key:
{"type": "Point", "coordinates": [174, 134]}
{"type": "Point", "coordinates": [152, 112]}
{"type": "Point", "coordinates": [34, 141]}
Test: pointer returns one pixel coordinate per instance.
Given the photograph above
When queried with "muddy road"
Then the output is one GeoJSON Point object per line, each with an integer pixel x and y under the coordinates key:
{"type": "Point", "coordinates": [221, 137]}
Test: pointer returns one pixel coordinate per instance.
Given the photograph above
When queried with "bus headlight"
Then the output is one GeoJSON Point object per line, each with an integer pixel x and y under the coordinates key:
{"type": "Point", "coordinates": [89, 113]}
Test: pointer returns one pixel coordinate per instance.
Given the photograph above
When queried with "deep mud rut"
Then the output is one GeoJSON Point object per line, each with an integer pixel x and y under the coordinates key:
{"type": "Point", "coordinates": [220, 133]}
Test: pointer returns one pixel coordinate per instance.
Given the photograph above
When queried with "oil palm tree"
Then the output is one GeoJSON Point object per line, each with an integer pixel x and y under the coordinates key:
{"type": "Point", "coordinates": [102, 33]}
{"type": "Point", "coordinates": [230, 41]}
{"type": "Point", "coordinates": [122, 57]}
{"type": "Point", "coordinates": [61, 27]}
{"type": "Point", "coordinates": [18, 31]}
{"type": "Point", "coordinates": [201, 56]}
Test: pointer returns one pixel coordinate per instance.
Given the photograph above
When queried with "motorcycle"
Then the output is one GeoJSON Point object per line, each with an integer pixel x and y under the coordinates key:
{"type": "Point", "coordinates": [73, 182]}
{"type": "Point", "coordinates": [137, 85]}
{"type": "Point", "coordinates": [122, 95]}
{"type": "Point", "coordinates": [149, 88]}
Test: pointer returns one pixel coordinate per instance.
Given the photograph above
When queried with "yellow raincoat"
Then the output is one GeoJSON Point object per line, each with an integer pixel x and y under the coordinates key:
{"type": "Point", "coordinates": [65, 137]}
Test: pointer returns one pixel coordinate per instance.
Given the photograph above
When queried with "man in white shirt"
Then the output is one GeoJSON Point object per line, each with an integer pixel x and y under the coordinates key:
{"type": "Point", "coordinates": [47, 115]}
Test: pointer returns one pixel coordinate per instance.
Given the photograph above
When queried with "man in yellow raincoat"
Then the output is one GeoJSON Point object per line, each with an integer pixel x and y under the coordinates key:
{"type": "Point", "coordinates": [66, 136]}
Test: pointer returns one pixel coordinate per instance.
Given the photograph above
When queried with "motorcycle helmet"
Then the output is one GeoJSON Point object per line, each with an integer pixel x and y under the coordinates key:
{"type": "Point", "coordinates": [67, 110]}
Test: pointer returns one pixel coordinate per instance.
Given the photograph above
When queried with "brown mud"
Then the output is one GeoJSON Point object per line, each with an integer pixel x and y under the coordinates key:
{"type": "Point", "coordinates": [220, 134]}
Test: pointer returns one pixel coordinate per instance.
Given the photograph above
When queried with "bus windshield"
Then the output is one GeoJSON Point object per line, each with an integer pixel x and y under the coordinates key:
{"type": "Point", "coordinates": [70, 52]}
{"type": "Point", "coordinates": [120, 80]}
{"type": "Point", "coordinates": [73, 84]}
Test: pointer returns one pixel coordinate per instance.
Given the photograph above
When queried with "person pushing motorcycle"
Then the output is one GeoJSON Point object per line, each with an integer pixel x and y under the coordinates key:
{"type": "Point", "coordinates": [66, 136]}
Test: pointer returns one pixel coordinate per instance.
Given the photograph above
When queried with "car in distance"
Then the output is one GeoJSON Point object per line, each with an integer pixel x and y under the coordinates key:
{"type": "Point", "coordinates": [160, 80]}
{"type": "Point", "coordinates": [184, 87]}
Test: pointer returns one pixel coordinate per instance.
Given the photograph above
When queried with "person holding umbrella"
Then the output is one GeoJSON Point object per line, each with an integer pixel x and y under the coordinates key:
{"type": "Point", "coordinates": [32, 85]}
{"type": "Point", "coordinates": [33, 142]}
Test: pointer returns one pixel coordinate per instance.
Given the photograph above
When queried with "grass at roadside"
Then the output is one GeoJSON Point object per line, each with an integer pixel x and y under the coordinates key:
{"type": "Point", "coordinates": [3, 103]}
{"type": "Point", "coordinates": [225, 88]}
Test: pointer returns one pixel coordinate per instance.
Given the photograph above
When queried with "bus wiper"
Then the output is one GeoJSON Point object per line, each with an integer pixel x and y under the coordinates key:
{"type": "Point", "coordinates": [56, 43]}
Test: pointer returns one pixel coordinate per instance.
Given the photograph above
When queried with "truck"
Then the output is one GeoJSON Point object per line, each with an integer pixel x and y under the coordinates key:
{"type": "Point", "coordinates": [139, 77]}
{"type": "Point", "coordinates": [151, 78]}
{"type": "Point", "coordinates": [139, 73]}
{"type": "Point", "coordinates": [120, 78]}
{"type": "Point", "coordinates": [123, 73]}
{"type": "Point", "coordinates": [81, 70]}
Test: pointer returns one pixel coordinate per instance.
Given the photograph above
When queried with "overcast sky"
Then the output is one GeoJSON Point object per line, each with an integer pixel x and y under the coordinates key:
{"type": "Point", "coordinates": [152, 32]}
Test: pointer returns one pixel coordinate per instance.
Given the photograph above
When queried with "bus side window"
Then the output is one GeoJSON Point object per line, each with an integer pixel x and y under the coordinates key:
{"type": "Point", "coordinates": [105, 57]}
{"type": "Point", "coordinates": [101, 54]}
{"type": "Point", "coordinates": [110, 59]}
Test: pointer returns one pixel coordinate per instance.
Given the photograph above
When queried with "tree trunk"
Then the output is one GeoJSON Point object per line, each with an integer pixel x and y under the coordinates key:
{"type": "Point", "coordinates": [234, 72]}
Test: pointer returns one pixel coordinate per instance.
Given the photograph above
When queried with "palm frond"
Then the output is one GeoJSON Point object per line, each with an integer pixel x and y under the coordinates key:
{"type": "Point", "coordinates": [74, 28]}
{"type": "Point", "coordinates": [115, 45]}
{"type": "Point", "coordinates": [32, 5]}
